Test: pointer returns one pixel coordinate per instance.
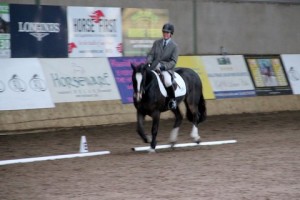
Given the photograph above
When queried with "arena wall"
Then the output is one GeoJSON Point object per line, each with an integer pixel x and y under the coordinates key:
{"type": "Point", "coordinates": [66, 115]}
{"type": "Point", "coordinates": [202, 27]}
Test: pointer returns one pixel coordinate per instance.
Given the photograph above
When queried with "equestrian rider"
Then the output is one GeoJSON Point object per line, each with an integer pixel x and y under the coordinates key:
{"type": "Point", "coordinates": [162, 58]}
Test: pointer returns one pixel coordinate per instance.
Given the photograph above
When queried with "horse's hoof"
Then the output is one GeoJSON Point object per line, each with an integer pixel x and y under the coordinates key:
{"type": "Point", "coordinates": [172, 145]}
{"type": "Point", "coordinates": [197, 139]}
{"type": "Point", "coordinates": [151, 151]}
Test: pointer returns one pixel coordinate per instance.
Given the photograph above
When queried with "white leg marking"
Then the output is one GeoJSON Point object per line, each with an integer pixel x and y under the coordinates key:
{"type": "Point", "coordinates": [194, 133]}
{"type": "Point", "coordinates": [174, 134]}
{"type": "Point", "coordinates": [149, 138]}
{"type": "Point", "coordinates": [151, 150]}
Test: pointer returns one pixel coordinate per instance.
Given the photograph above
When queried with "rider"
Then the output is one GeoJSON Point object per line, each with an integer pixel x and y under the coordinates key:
{"type": "Point", "coordinates": [162, 58]}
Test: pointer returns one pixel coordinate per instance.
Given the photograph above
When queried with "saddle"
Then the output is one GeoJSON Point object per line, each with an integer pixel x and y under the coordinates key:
{"type": "Point", "coordinates": [174, 83]}
{"type": "Point", "coordinates": [177, 82]}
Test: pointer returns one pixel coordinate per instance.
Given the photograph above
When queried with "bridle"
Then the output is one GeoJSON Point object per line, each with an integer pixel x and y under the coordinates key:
{"type": "Point", "coordinates": [140, 81]}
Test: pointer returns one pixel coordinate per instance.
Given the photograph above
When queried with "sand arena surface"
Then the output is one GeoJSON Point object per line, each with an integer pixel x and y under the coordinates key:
{"type": "Point", "coordinates": [264, 164]}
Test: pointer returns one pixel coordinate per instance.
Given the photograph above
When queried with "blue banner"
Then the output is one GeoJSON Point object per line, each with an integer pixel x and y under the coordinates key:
{"type": "Point", "coordinates": [38, 31]}
{"type": "Point", "coordinates": [121, 67]}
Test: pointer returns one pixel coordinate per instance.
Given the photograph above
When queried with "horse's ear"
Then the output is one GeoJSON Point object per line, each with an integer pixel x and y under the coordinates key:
{"type": "Point", "coordinates": [132, 66]}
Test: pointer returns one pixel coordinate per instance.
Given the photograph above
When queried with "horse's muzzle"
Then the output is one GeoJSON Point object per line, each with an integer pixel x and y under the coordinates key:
{"type": "Point", "coordinates": [137, 96]}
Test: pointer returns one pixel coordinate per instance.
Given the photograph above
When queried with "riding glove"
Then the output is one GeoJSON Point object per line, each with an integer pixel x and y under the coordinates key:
{"type": "Point", "coordinates": [160, 67]}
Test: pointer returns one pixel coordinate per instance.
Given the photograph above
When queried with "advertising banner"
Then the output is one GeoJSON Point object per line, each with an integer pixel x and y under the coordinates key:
{"type": "Point", "coordinates": [268, 75]}
{"type": "Point", "coordinates": [229, 76]}
{"type": "Point", "coordinates": [4, 31]}
{"type": "Point", "coordinates": [140, 28]}
{"type": "Point", "coordinates": [291, 64]}
{"type": "Point", "coordinates": [80, 79]}
{"type": "Point", "coordinates": [38, 31]}
{"type": "Point", "coordinates": [94, 32]}
{"type": "Point", "coordinates": [122, 70]}
{"type": "Point", "coordinates": [196, 63]}
{"type": "Point", "coordinates": [22, 85]}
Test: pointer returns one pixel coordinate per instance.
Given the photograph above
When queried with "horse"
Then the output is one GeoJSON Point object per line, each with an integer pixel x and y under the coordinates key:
{"type": "Point", "coordinates": [149, 100]}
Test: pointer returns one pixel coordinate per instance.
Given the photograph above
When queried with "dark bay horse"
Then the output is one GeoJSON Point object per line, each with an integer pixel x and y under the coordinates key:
{"type": "Point", "coordinates": [150, 100]}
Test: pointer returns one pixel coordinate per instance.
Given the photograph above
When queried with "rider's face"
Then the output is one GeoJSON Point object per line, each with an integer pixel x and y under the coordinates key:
{"type": "Point", "coordinates": [166, 35]}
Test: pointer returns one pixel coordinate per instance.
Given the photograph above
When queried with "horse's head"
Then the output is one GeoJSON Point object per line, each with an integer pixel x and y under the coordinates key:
{"type": "Point", "coordinates": [138, 80]}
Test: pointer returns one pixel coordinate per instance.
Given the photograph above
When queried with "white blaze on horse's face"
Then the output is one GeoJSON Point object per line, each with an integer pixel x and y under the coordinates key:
{"type": "Point", "coordinates": [139, 77]}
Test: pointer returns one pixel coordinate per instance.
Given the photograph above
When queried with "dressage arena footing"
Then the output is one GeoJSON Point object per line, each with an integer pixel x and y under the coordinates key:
{"type": "Point", "coordinates": [166, 146]}
{"type": "Point", "coordinates": [56, 157]}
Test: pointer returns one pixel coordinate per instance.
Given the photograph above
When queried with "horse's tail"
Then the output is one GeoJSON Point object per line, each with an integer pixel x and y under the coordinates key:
{"type": "Point", "coordinates": [202, 109]}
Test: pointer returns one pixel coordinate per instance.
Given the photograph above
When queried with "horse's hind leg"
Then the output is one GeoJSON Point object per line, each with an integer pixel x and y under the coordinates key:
{"type": "Point", "coordinates": [192, 115]}
{"type": "Point", "coordinates": [177, 123]}
{"type": "Point", "coordinates": [195, 134]}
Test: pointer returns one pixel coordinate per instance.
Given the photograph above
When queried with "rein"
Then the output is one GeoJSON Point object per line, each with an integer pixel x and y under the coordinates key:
{"type": "Point", "coordinates": [151, 81]}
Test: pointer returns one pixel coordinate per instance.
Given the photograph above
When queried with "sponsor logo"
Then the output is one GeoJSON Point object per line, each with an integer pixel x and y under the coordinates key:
{"type": "Point", "coordinates": [97, 15]}
{"type": "Point", "coordinates": [120, 48]}
{"type": "Point", "coordinates": [37, 84]}
{"type": "Point", "coordinates": [294, 74]}
{"type": "Point", "coordinates": [224, 61]}
{"type": "Point", "coordinates": [2, 86]}
{"type": "Point", "coordinates": [97, 21]}
{"type": "Point", "coordinates": [80, 79]}
{"type": "Point", "coordinates": [39, 36]}
{"type": "Point", "coordinates": [71, 46]}
{"type": "Point", "coordinates": [16, 84]}
{"type": "Point", "coordinates": [38, 30]}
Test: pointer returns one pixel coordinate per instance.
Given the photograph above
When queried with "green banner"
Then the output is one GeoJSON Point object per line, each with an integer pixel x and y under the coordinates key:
{"type": "Point", "coordinates": [141, 27]}
{"type": "Point", "coordinates": [4, 31]}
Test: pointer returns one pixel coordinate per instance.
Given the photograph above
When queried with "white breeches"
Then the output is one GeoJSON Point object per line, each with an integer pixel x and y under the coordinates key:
{"type": "Point", "coordinates": [167, 78]}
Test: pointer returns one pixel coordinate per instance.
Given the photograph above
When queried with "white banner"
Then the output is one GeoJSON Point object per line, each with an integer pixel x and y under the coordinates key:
{"type": "Point", "coordinates": [22, 85]}
{"type": "Point", "coordinates": [291, 64]}
{"type": "Point", "coordinates": [94, 31]}
{"type": "Point", "coordinates": [80, 79]}
{"type": "Point", "coordinates": [229, 76]}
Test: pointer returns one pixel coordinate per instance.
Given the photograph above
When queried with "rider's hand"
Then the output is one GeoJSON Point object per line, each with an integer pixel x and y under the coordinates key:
{"type": "Point", "coordinates": [157, 68]}
{"type": "Point", "coordinates": [160, 67]}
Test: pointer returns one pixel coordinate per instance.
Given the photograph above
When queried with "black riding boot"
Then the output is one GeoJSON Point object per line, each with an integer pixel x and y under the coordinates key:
{"type": "Point", "coordinates": [171, 94]}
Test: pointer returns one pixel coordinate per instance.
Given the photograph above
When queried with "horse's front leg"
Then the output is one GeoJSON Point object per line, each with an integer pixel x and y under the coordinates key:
{"type": "Point", "coordinates": [154, 130]}
{"type": "Point", "coordinates": [140, 127]}
{"type": "Point", "coordinates": [177, 123]}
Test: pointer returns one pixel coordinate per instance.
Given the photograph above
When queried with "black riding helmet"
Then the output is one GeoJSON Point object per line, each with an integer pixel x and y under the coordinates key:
{"type": "Point", "coordinates": [168, 28]}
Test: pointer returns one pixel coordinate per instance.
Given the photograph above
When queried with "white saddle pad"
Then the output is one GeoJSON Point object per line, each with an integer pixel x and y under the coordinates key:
{"type": "Point", "coordinates": [180, 90]}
